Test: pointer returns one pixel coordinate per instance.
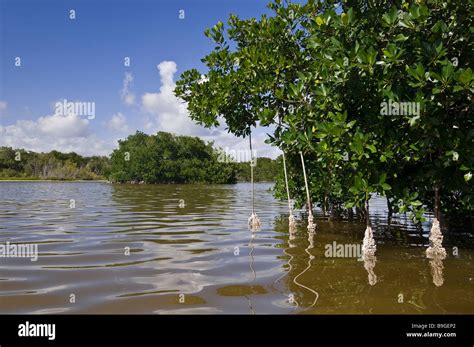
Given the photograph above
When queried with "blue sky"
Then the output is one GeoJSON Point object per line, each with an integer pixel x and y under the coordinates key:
{"type": "Point", "coordinates": [82, 60]}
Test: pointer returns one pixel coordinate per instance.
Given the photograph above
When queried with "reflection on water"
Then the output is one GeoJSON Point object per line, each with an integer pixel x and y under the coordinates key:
{"type": "Point", "coordinates": [437, 271]}
{"type": "Point", "coordinates": [252, 270]}
{"type": "Point", "coordinates": [369, 265]}
{"type": "Point", "coordinates": [310, 259]}
{"type": "Point", "coordinates": [187, 249]}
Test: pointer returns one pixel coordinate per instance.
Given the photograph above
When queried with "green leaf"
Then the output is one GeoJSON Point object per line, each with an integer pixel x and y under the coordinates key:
{"type": "Point", "coordinates": [372, 148]}
{"type": "Point", "coordinates": [344, 18]}
{"type": "Point", "coordinates": [447, 72]}
{"type": "Point", "coordinates": [371, 56]}
{"type": "Point", "coordinates": [391, 16]}
{"type": "Point", "coordinates": [354, 190]}
{"type": "Point", "coordinates": [465, 76]}
{"type": "Point", "coordinates": [413, 120]}
{"type": "Point", "coordinates": [350, 124]}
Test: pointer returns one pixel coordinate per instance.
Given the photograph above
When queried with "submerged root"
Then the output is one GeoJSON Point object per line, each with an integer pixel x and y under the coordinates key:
{"type": "Point", "coordinates": [436, 253]}
{"type": "Point", "coordinates": [292, 223]}
{"type": "Point", "coordinates": [369, 265]}
{"type": "Point", "coordinates": [368, 246]}
{"type": "Point", "coordinates": [311, 224]}
{"type": "Point", "coordinates": [436, 249]}
{"type": "Point", "coordinates": [368, 254]}
{"type": "Point", "coordinates": [254, 222]}
{"type": "Point", "coordinates": [437, 271]}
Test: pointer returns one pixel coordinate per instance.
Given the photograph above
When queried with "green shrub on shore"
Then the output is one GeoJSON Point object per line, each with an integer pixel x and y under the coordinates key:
{"type": "Point", "coordinates": [20, 164]}
{"type": "Point", "coordinates": [167, 158]}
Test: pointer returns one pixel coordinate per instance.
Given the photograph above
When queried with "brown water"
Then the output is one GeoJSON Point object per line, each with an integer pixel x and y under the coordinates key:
{"type": "Point", "coordinates": [201, 258]}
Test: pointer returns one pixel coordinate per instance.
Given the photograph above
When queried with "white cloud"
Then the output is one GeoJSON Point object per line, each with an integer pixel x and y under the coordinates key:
{"type": "Point", "coordinates": [128, 98]}
{"type": "Point", "coordinates": [167, 70]}
{"type": "Point", "coordinates": [63, 126]}
{"type": "Point", "coordinates": [168, 113]}
{"type": "Point", "coordinates": [118, 123]}
{"type": "Point", "coordinates": [69, 133]}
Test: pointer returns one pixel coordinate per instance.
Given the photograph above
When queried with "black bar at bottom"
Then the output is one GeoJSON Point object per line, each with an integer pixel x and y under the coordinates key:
{"type": "Point", "coordinates": [138, 330]}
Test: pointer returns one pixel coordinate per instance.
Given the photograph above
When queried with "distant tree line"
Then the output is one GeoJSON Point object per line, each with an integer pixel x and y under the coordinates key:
{"type": "Point", "coordinates": [140, 158]}
{"type": "Point", "coordinates": [23, 164]}
{"type": "Point", "coordinates": [167, 158]}
{"type": "Point", "coordinates": [266, 170]}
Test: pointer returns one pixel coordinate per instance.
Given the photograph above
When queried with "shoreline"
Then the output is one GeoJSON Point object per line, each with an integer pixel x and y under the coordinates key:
{"type": "Point", "coordinates": [106, 181]}
{"type": "Point", "coordinates": [42, 180]}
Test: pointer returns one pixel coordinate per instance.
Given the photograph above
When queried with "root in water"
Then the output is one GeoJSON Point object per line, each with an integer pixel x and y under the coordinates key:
{"type": "Point", "coordinates": [436, 253]}
{"type": "Point", "coordinates": [311, 257]}
{"type": "Point", "coordinates": [254, 222]}
{"type": "Point", "coordinates": [292, 223]}
{"type": "Point", "coordinates": [311, 223]}
{"type": "Point", "coordinates": [368, 246]}
{"type": "Point", "coordinates": [437, 271]}
{"type": "Point", "coordinates": [436, 249]}
{"type": "Point", "coordinates": [369, 265]}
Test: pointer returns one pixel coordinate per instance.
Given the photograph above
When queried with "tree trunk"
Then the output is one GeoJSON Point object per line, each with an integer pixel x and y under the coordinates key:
{"type": "Point", "coordinates": [323, 205]}
{"type": "Point", "coordinates": [367, 216]}
{"type": "Point", "coordinates": [390, 211]}
{"type": "Point", "coordinates": [350, 213]}
{"type": "Point", "coordinates": [359, 213]}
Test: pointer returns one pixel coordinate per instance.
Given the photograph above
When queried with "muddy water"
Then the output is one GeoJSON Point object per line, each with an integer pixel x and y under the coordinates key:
{"type": "Point", "coordinates": [186, 249]}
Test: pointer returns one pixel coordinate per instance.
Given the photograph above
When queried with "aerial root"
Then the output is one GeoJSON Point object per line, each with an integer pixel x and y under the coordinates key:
{"type": "Point", "coordinates": [292, 223]}
{"type": "Point", "coordinates": [254, 222]}
{"type": "Point", "coordinates": [311, 223]}
{"type": "Point", "coordinates": [368, 246]}
{"type": "Point", "coordinates": [436, 249]}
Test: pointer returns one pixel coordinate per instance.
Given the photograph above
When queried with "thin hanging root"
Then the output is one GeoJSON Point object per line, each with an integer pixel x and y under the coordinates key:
{"type": "Point", "coordinates": [291, 218]}
{"type": "Point", "coordinates": [436, 249]}
{"type": "Point", "coordinates": [368, 246]}
{"type": "Point", "coordinates": [292, 222]}
{"type": "Point", "coordinates": [311, 223]}
{"type": "Point", "coordinates": [254, 222]}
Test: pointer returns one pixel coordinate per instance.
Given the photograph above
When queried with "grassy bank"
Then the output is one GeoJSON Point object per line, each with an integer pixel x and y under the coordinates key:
{"type": "Point", "coordinates": [37, 179]}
